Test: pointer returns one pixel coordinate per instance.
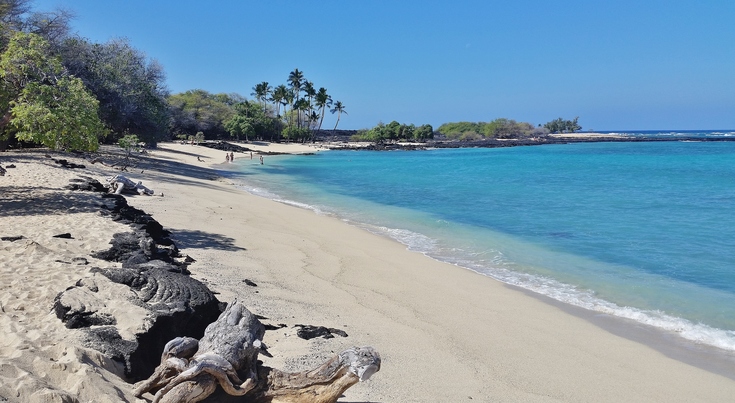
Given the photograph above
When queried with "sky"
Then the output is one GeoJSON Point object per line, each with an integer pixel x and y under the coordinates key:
{"type": "Point", "coordinates": [618, 65]}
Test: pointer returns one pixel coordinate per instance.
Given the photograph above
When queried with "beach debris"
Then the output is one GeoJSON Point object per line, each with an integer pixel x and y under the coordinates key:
{"type": "Point", "coordinates": [119, 184]}
{"type": "Point", "coordinates": [79, 261]}
{"type": "Point", "coordinates": [87, 184]}
{"type": "Point", "coordinates": [269, 326]}
{"type": "Point", "coordinates": [308, 332]}
{"type": "Point", "coordinates": [191, 370]}
{"type": "Point", "coordinates": [66, 235]}
{"type": "Point", "coordinates": [11, 238]}
{"type": "Point", "coordinates": [250, 283]}
{"type": "Point", "coordinates": [66, 164]}
{"type": "Point", "coordinates": [3, 171]}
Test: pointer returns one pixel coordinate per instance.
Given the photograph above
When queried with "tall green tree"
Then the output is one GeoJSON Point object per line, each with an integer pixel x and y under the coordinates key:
{"type": "Point", "coordinates": [560, 125]}
{"type": "Point", "coordinates": [279, 97]}
{"type": "Point", "coordinates": [339, 109]}
{"type": "Point", "coordinates": [251, 122]}
{"type": "Point", "coordinates": [301, 107]}
{"type": "Point", "coordinates": [200, 111]}
{"type": "Point", "coordinates": [41, 103]}
{"type": "Point", "coordinates": [309, 94]}
{"type": "Point", "coordinates": [296, 82]}
{"type": "Point", "coordinates": [423, 132]}
{"type": "Point", "coordinates": [130, 87]}
{"type": "Point", "coordinates": [261, 92]}
{"type": "Point", "coordinates": [322, 101]}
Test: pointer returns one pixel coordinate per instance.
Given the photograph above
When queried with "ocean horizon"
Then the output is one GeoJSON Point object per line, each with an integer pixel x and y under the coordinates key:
{"type": "Point", "coordinates": [642, 231]}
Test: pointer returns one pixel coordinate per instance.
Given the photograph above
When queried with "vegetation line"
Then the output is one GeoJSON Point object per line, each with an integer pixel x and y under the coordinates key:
{"type": "Point", "coordinates": [68, 93]}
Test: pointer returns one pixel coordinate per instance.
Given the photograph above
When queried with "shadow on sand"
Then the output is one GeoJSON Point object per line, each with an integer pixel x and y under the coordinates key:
{"type": "Point", "coordinates": [26, 201]}
{"type": "Point", "coordinates": [203, 240]}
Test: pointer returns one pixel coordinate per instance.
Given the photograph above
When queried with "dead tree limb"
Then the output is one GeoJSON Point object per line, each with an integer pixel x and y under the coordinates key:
{"type": "Point", "coordinates": [191, 370]}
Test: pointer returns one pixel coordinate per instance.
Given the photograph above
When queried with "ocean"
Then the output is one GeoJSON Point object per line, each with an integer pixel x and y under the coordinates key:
{"type": "Point", "coordinates": [643, 231]}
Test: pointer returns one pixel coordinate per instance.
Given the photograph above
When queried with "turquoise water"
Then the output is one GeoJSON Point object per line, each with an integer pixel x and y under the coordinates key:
{"type": "Point", "coordinates": [644, 231]}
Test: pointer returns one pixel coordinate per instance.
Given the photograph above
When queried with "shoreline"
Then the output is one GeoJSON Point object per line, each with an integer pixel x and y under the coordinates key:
{"type": "Point", "coordinates": [270, 148]}
{"type": "Point", "coordinates": [670, 343]}
{"type": "Point", "coordinates": [708, 358]}
{"type": "Point", "coordinates": [689, 330]}
{"type": "Point", "coordinates": [444, 334]}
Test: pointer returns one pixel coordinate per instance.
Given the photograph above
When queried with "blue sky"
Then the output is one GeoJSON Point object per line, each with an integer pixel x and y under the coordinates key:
{"type": "Point", "coordinates": [618, 65]}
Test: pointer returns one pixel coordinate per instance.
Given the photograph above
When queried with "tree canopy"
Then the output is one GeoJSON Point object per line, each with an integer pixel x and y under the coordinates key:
{"type": "Point", "coordinates": [130, 88]}
{"type": "Point", "coordinates": [45, 71]}
{"type": "Point", "coordinates": [250, 121]}
{"type": "Point", "coordinates": [560, 125]}
{"type": "Point", "coordinates": [296, 113]}
{"type": "Point", "coordinates": [395, 131]}
{"type": "Point", "coordinates": [200, 111]}
{"type": "Point", "coordinates": [43, 104]}
{"type": "Point", "coordinates": [500, 128]}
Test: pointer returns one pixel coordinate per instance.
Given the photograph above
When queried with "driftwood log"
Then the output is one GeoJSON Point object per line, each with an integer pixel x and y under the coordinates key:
{"type": "Point", "coordinates": [191, 370]}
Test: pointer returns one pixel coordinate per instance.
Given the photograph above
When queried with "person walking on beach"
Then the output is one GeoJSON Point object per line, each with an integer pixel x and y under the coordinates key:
{"type": "Point", "coordinates": [227, 157]}
{"type": "Point", "coordinates": [261, 160]}
{"type": "Point", "coordinates": [232, 156]}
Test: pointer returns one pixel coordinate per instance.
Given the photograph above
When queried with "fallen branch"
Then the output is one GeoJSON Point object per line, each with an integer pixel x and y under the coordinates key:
{"type": "Point", "coordinates": [191, 370]}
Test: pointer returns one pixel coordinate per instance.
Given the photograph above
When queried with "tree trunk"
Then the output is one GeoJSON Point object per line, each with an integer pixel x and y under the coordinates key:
{"type": "Point", "coordinates": [191, 370]}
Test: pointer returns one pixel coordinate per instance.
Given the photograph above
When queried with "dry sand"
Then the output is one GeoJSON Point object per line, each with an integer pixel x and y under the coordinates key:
{"type": "Point", "coordinates": [445, 334]}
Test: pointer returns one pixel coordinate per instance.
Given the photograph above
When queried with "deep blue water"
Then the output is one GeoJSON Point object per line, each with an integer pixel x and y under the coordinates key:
{"type": "Point", "coordinates": [644, 231]}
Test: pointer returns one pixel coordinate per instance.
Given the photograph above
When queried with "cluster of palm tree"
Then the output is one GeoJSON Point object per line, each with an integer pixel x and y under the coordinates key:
{"type": "Point", "coordinates": [303, 105]}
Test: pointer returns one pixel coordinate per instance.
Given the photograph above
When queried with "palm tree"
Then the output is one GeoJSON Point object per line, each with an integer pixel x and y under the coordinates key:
{"type": "Point", "coordinates": [322, 100]}
{"type": "Point", "coordinates": [288, 100]}
{"type": "Point", "coordinates": [301, 105]}
{"type": "Point", "coordinates": [296, 81]}
{"type": "Point", "coordinates": [309, 94]}
{"type": "Point", "coordinates": [278, 95]}
{"type": "Point", "coordinates": [309, 90]}
{"type": "Point", "coordinates": [339, 108]}
{"type": "Point", "coordinates": [313, 117]}
{"type": "Point", "coordinates": [261, 92]}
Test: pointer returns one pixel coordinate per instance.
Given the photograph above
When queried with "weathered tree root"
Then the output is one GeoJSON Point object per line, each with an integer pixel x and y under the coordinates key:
{"type": "Point", "coordinates": [324, 384]}
{"type": "Point", "coordinates": [190, 371]}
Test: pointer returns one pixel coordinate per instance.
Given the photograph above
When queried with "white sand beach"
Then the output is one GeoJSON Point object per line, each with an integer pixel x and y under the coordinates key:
{"type": "Point", "coordinates": [445, 334]}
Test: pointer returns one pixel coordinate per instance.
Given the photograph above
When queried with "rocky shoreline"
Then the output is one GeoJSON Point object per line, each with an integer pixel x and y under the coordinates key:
{"type": "Point", "coordinates": [342, 143]}
{"type": "Point", "coordinates": [499, 143]}
{"type": "Point", "coordinates": [157, 275]}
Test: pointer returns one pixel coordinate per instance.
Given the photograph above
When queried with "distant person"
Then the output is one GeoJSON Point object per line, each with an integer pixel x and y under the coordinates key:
{"type": "Point", "coordinates": [251, 155]}
{"type": "Point", "coordinates": [261, 160]}
{"type": "Point", "coordinates": [227, 157]}
{"type": "Point", "coordinates": [232, 157]}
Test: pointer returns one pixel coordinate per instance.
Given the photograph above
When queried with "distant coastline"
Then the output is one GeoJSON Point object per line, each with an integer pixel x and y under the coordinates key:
{"type": "Point", "coordinates": [340, 139]}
